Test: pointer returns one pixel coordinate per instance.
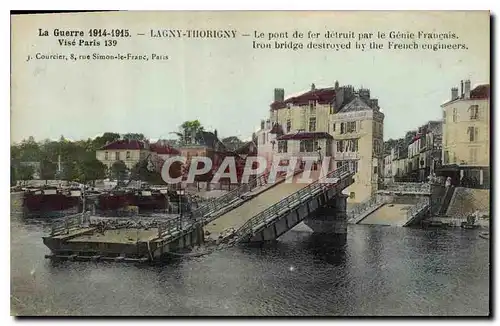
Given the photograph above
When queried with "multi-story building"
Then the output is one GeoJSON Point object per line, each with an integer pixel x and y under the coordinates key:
{"type": "Point", "coordinates": [466, 135]}
{"type": "Point", "coordinates": [358, 130]}
{"type": "Point", "coordinates": [126, 150]}
{"type": "Point", "coordinates": [388, 167]}
{"type": "Point", "coordinates": [336, 122]}
{"type": "Point", "coordinates": [400, 159]}
{"type": "Point", "coordinates": [132, 151]}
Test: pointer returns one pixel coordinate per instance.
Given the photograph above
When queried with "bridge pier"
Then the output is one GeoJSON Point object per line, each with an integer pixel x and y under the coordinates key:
{"type": "Point", "coordinates": [330, 219]}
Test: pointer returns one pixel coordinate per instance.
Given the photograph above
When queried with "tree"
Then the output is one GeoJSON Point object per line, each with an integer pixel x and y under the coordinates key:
{"type": "Point", "coordinates": [139, 171]}
{"type": "Point", "coordinates": [107, 137]}
{"type": "Point", "coordinates": [30, 150]}
{"type": "Point", "coordinates": [70, 171]}
{"type": "Point", "coordinates": [232, 142]}
{"type": "Point", "coordinates": [13, 177]}
{"type": "Point", "coordinates": [134, 136]}
{"type": "Point", "coordinates": [190, 131]}
{"type": "Point", "coordinates": [48, 170]}
{"type": "Point", "coordinates": [91, 169]}
{"type": "Point", "coordinates": [25, 172]}
{"type": "Point", "coordinates": [119, 171]}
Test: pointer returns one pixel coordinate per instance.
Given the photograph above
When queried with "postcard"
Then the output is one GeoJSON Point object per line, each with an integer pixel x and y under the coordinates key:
{"type": "Point", "coordinates": [250, 163]}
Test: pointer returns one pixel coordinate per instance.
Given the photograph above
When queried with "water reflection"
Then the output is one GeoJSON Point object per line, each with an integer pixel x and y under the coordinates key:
{"type": "Point", "coordinates": [327, 248]}
{"type": "Point", "coordinates": [376, 271]}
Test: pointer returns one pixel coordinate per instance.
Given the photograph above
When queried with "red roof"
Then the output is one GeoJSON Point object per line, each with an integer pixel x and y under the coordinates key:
{"type": "Point", "coordinates": [124, 144]}
{"type": "Point", "coordinates": [160, 148]}
{"type": "Point", "coordinates": [321, 95]}
{"type": "Point", "coordinates": [306, 135]}
{"type": "Point", "coordinates": [480, 92]}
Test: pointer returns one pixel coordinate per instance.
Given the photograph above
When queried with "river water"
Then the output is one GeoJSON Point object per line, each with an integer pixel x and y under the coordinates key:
{"type": "Point", "coordinates": [388, 271]}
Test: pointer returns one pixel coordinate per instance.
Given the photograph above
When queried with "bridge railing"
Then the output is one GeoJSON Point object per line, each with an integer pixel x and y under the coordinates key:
{"type": "Point", "coordinates": [413, 187]}
{"type": "Point", "coordinates": [222, 201]}
{"type": "Point", "coordinates": [414, 210]}
{"type": "Point", "coordinates": [186, 223]}
{"type": "Point", "coordinates": [291, 201]}
{"type": "Point", "coordinates": [365, 206]}
{"type": "Point", "coordinates": [69, 222]}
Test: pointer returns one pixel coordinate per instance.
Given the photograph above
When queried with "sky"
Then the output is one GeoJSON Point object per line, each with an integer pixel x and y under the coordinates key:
{"type": "Point", "coordinates": [225, 83]}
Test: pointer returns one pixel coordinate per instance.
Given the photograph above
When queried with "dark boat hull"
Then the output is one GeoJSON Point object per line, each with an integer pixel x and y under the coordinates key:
{"type": "Point", "coordinates": [40, 205]}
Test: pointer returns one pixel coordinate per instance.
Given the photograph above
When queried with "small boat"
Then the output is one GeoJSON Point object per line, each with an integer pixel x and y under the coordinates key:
{"type": "Point", "coordinates": [466, 225]}
{"type": "Point", "coordinates": [484, 236]}
{"type": "Point", "coordinates": [470, 224]}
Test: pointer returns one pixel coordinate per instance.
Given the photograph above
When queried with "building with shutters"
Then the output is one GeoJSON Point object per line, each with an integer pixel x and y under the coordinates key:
{"type": "Point", "coordinates": [338, 122]}
{"type": "Point", "coordinates": [466, 135]}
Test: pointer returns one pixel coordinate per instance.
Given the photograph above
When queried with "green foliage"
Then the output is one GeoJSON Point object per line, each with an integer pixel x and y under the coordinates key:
{"type": "Point", "coordinates": [134, 136]}
{"type": "Point", "coordinates": [232, 142]}
{"type": "Point", "coordinates": [13, 176]}
{"type": "Point", "coordinates": [48, 169]}
{"type": "Point", "coordinates": [91, 169]}
{"type": "Point", "coordinates": [189, 131]}
{"type": "Point", "coordinates": [119, 171]}
{"type": "Point", "coordinates": [78, 161]}
{"type": "Point", "coordinates": [107, 137]}
{"type": "Point", "coordinates": [25, 172]}
{"type": "Point", "coordinates": [141, 172]}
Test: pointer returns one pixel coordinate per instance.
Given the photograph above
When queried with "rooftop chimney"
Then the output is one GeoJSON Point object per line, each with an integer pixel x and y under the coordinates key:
{"type": "Point", "coordinates": [336, 84]}
{"type": "Point", "coordinates": [313, 87]}
{"type": "Point", "coordinates": [215, 133]}
{"type": "Point", "coordinates": [262, 124]}
{"type": "Point", "coordinates": [454, 93]}
{"type": "Point", "coordinates": [279, 94]}
{"type": "Point", "coordinates": [467, 89]}
{"type": "Point", "coordinates": [461, 88]}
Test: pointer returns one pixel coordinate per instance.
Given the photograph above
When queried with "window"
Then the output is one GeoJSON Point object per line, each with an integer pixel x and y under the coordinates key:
{"type": "Point", "coordinates": [352, 195]}
{"type": "Point", "coordinates": [128, 155]}
{"type": "Point", "coordinates": [106, 155]}
{"type": "Point", "coordinates": [473, 155]}
{"type": "Point", "coordinates": [312, 107]}
{"type": "Point", "coordinates": [334, 127]}
{"type": "Point", "coordinates": [340, 146]}
{"type": "Point", "coordinates": [312, 124]}
{"type": "Point", "coordinates": [282, 146]}
{"type": "Point", "coordinates": [474, 112]}
{"type": "Point", "coordinates": [444, 116]}
{"type": "Point", "coordinates": [308, 146]}
{"type": "Point", "coordinates": [351, 126]}
{"type": "Point", "coordinates": [351, 145]}
{"type": "Point", "coordinates": [454, 115]}
{"type": "Point", "coordinates": [117, 156]}
{"type": "Point", "coordinates": [473, 133]}
{"type": "Point", "coordinates": [339, 164]}
{"type": "Point", "coordinates": [375, 170]}
{"type": "Point", "coordinates": [353, 165]}
{"type": "Point", "coordinates": [331, 108]}
{"type": "Point", "coordinates": [342, 128]}
{"type": "Point", "coordinates": [288, 125]}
